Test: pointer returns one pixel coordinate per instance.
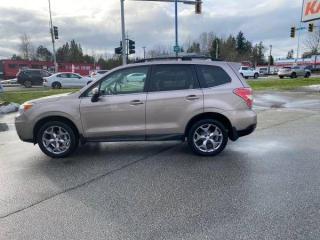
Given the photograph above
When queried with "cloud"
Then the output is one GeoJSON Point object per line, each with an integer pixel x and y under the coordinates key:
{"type": "Point", "coordinates": [96, 25]}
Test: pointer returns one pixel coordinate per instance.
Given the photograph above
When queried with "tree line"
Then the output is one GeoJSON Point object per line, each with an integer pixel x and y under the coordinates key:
{"type": "Point", "coordinates": [233, 48]}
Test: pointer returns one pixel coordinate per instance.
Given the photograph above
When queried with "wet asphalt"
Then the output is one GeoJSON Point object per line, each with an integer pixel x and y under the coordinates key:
{"type": "Point", "coordinates": [264, 186]}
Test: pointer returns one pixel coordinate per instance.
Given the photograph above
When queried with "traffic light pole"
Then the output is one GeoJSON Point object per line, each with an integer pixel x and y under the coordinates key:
{"type": "Point", "coordinates": [123, 30]}
{"type": "Point", "coordinates": [53, 41]}
{"type": "Point", "coordinates": [176, 25]}
{"type": "Point", "coordinates": [191, 2]}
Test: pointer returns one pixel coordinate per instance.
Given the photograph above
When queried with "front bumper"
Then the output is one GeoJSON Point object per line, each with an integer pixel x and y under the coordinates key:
{"type": "Point", "coordinates": [24, 128]}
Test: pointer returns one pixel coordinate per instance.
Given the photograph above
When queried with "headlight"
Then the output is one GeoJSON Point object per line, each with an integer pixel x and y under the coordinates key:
{"type": "Point", "coordinates": [25, 107]}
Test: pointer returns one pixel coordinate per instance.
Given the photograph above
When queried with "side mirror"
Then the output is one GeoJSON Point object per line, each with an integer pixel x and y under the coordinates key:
{"type": "Point", "coordinates": [95, 96]}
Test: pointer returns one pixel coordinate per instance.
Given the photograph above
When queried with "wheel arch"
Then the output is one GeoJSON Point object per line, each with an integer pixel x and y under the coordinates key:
{"type": "Point", "coordinates": [66, 120]}
{"type": "Point", "coordinates": [211, 115]}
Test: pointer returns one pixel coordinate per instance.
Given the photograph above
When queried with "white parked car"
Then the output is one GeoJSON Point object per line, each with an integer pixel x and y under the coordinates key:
{"type": "Point", "coordinates": [247, 72]}
{"type": "Point", "coordinates": [98, 73]}
{"type": "Point", "coordinates": [66, 80]}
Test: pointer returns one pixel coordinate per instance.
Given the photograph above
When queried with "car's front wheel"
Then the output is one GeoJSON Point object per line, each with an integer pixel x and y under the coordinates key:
{"type": "Point", "coordinates": [256, 75]}
{"type": "Point", "coordinates": [57, 139]}
{"type": "Point", "coordinates": [207, 137]}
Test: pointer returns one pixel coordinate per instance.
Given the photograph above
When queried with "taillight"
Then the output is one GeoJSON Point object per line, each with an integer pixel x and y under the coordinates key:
{"type": "Point", "coordinates": [245, 94]}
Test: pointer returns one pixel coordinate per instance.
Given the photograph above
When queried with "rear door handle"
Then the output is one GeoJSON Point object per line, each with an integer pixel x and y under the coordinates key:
{"type": "Point", "coordinates": [135, 102]}
{"type": "Point", "coordinates": [192, 97]}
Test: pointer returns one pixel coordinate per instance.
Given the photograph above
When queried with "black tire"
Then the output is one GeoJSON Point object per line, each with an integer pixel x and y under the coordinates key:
{"type": "Point", "coordinates": [281, 77]}
{"type": "Point", "coordinates": [72, 146]}
{"type": "Point", "coordinates": [293, 75]}
{"type": "Point", "coordinates": [200, 123]}
{"type": "Point", "coordinates": [307, 75]}
{"type": "Point", "coordinates": [56, 85]}
{"type": "Point", "coordinates": [256, 75]}
{"type": "Point", "coordinates": [242, 75]}
{"type": "Point", "coordinates": [27, 84]}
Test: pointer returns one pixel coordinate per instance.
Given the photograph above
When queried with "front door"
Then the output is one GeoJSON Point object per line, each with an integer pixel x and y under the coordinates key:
{"type": "Point", "coordinates": [119, 114]}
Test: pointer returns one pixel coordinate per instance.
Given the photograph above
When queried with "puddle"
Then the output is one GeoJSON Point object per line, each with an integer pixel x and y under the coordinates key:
{"type": "Point", "coordinates": [4, 127]}
{"type": "Point", "coordinates": [305, 101]}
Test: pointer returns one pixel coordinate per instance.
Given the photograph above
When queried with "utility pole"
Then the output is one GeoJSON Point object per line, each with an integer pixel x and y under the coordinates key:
{"type": "Point", "coordinates": [144, 52]}
{"type": "Point", "coordinates": [53, 41]}
{"type": "Point", "coordinates": [176, 25]}
{"type": "Point", "coordinates": [269, 63]}
{"type": "Point", "coordinates": [123, 31]}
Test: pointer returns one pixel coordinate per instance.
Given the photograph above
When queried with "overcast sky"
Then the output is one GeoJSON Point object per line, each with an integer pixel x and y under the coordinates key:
{"type": "Point", "coordinates": [96, 23]}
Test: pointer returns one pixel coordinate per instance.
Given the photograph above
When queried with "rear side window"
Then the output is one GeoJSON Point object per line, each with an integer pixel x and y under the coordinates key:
{"type": "Point", "coordinates": [212, 76]}
{"type": "Point", "coordinates": [172, 77]}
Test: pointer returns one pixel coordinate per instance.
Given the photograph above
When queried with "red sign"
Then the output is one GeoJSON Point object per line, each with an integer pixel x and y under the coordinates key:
{"type": "Point", "coordinates": [310, 10]}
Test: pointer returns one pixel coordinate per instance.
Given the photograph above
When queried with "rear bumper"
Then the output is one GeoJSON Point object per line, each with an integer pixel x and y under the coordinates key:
{"type": "Point", "coordinates": [236, 134]}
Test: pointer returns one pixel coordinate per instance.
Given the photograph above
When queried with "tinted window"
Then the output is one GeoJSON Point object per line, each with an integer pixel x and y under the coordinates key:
{"type": "Point", "coordinates": [213, 76]}
{"type": "Point", "coordinates": [172, 77]}
{"type": "Point", "coordinates": [245, 68]}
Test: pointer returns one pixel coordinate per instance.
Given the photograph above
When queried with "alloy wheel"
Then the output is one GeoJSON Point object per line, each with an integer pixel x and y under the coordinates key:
{"type": "Point", "coordinates": [208, 138]}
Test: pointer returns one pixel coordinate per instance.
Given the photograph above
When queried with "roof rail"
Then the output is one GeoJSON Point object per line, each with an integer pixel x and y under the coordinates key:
{"type": "Point", "coordinates": [182, 58]}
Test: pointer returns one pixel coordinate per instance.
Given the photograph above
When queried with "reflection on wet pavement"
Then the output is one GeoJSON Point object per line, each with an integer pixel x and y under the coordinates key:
{"type": "Point", "coordinates": [300, 100]}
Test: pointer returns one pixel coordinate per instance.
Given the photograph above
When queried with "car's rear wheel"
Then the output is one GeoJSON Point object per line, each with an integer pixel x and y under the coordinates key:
{"type": "Point", "coordinates": [293, 75]}
{"type": "Point", "coordinates": [256, 75]}
{"type": "Point", "coordinates": [307, 75]}
{"type": "Point", "coordinates": [207, 137]}
{"type": "Point", "coordinates": [27, 84]}
{"type": "Point", "coordinates": [281, 77]}
{"type": "Point", "coordinates": [56, 85]}
{"type": "Point", "coordinates": [57, 139]}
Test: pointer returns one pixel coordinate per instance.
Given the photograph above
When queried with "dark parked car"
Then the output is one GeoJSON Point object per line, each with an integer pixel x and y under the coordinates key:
{"type": "Point", "coordinates": [31, 77]}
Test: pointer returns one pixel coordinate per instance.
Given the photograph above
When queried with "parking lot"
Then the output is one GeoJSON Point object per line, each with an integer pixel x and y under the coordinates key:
{"type": "Point", "coordinates": [264, 186]}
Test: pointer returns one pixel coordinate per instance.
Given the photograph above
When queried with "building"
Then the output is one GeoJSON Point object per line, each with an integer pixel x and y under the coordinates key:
{"type": "Point", "coordinates": [10, 68]}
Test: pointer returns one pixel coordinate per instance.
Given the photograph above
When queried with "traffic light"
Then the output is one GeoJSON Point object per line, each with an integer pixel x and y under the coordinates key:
{"type": "Point", "coordinates": [55, 32]}
{"type": "Point", "coordinates": [311, 27]}
{"type": "Point", "coordinates": [118, 50]}
{"type": "Point", "coordinates": [293, 32]}
{"type": "Point", "coordinates": [132, 47]}
{"type": "Point", "coordinates": [198, 6]}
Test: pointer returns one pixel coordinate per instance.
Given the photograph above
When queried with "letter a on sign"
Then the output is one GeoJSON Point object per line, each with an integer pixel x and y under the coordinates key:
{"type": "Point", "coordinates": [310, 10]}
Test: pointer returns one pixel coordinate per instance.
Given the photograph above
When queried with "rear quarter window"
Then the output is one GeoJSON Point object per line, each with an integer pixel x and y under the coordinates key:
{"type": "Point", "coordinates": [212, 76]}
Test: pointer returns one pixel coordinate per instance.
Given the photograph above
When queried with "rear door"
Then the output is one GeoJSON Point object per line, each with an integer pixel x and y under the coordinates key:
{"type": "Point", "coordinates": [173, 98]}
{"type": "Point", "coordinates": [36, 77]}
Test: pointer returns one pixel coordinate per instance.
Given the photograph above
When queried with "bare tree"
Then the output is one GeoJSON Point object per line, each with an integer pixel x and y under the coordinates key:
{"type": "Point", "coordinates": [26, 48]}
{"type": "Point", "coordinates": [312, 43]}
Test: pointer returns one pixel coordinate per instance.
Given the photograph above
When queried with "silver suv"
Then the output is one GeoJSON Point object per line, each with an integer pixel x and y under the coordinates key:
{"type": "Point", "coordinates": [205, 102]}
{"type": "Point", "coordinates": [294, 72]}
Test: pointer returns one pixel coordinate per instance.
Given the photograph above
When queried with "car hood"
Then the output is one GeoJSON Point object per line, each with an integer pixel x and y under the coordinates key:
{"type": "Point", "coordinates": [54, 98]}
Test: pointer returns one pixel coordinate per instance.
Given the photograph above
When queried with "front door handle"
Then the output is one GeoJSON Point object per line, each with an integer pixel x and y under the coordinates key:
{"type": "Point", "coordinates": [135, 102]}
{"type": "Point", "coordinates": [192, 97]}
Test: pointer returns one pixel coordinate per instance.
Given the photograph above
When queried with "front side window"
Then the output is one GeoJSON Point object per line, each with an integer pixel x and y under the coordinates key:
{"type": "Point", "coordinates": [121, 82]}
{"type": "Point", "coordinates": [63, 75]}
{"type": "Point", "coordinates": [213, 76]}
{"type": "Point", "coordinates": [172, 77]}
{"type": "Point", "coordinates": [71, 75]}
